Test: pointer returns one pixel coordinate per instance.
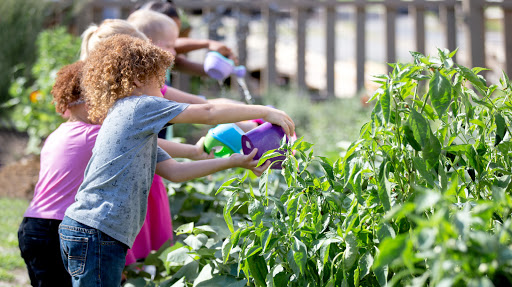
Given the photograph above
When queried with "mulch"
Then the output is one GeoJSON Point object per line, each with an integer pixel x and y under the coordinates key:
{"type": "Point", "coordinates": [18, 172]}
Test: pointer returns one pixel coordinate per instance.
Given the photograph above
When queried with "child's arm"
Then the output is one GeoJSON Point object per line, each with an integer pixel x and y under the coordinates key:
{"type": "Point", "coordinates": [183, 171]}
{"type": "Point", "coordinates": [212, 114]}
{"type": "Point", "coordinates": [176, 95]}
{"type": "Point", "coordinates": [184, 65]}
{"type": "Point", "coordinates": [179, 150]}
{"type": "Point", "coordinates": [185, 45]}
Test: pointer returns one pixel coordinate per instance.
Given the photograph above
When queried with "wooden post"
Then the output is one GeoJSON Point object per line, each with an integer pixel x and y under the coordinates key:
{"type": "Point", "coordinates": [300, 19]}
{"type": "Point", "coordinates": [450, 31]}
{"type": "Point", "coordinates": [418, 12]}
{"type": "Point", "coordinates": [475, 34]}
{"type": "Point", "coordinates": [390, 35]}
{"type": "Point", "coordinates": [330, 46]}
{"type": "Point", "coordinates": [242, 31]}
{"type": "Point", "coordinates": [507, 30]}
{"type": "Point", "coordinates": [360, 46]}
{"type": "Point", "coordinates": [270, 75]}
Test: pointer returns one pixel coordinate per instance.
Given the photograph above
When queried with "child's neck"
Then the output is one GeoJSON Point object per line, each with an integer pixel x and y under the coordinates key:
{"type": "Point", "coordinates": [148, 91]}
{"type": "Point", "coordinates": [79, 114]}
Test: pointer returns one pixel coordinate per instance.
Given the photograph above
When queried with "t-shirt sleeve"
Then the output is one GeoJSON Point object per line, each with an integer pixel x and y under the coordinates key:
{"type": "Point", "coordinates": [154, 112]}
{"type": "Point", "coordinates": [91, 134]}
{"type": "Point", "coordinates": [161, 155]}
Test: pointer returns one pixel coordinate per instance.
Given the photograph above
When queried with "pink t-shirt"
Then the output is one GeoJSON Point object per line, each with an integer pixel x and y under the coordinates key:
{"type": "Point", "coordinates": [64, 157]}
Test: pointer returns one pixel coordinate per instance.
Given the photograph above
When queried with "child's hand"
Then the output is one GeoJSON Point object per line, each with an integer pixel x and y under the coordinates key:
{"type": "Point", "coordinates": [280, 118]}
{"type": "Point", "coordinates": [248, 162]}
{"type": "Point", "coordinates": [198, 152]}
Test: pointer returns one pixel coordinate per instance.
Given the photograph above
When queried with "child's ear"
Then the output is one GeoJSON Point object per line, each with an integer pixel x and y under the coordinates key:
{"type": "Point", "coordinates": [137, 83]}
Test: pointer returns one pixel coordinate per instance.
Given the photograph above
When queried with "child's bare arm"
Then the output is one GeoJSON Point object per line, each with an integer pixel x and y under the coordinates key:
{"type": "Point", "coordinates": [185, 45]}
{"type": "Point", "coordinates": [179, 150]}
{"type": "Point", "coordinates": [230, 113]}
{"type": "Point", "coordinates": [183, 171]}
{"type": "Point", "coordinates": [176, 95]}
{"type": "Point", "coordinates": [184, 65]}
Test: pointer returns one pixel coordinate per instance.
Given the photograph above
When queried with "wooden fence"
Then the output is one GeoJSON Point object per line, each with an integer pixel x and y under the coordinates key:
{"type": "Point", "coordinates": [470, 11]}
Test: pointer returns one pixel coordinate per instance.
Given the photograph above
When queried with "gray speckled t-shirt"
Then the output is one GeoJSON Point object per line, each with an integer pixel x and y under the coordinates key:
{"type": "Point", "coordinates": [113, 196]}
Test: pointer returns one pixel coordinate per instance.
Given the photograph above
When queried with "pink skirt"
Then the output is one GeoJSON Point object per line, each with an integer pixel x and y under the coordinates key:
{"type": "Point", "coordinates": [157, 228]}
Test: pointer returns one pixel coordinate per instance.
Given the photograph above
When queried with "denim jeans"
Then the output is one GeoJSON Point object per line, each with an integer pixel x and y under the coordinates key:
{"type": "Point", "coordinates": [38, 239]}
{"type": "Point", "coordinates": [91, 257]}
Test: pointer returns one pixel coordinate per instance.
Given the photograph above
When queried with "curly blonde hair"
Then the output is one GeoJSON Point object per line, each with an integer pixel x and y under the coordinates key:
{"type": "Point", "coordinates": [113, 67]}
{"type": "Point", "coordinates": [66, 89]}
{"type": "Point", "coordinates": [108, 28]}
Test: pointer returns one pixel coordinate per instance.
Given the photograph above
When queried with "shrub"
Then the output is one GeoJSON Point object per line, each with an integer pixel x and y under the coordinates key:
{"type": "Point", "coordinates": [32, 108]}
{"type": "Point", "coordinates": [21, 22]}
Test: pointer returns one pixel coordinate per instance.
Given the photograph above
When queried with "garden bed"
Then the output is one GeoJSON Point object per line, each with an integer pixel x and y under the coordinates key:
{"type": "Point", "coordinates": [18, 173]}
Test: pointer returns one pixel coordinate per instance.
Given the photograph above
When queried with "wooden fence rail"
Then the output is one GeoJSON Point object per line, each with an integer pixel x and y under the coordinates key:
{"type": "Point", "coordinates": [471, 11]}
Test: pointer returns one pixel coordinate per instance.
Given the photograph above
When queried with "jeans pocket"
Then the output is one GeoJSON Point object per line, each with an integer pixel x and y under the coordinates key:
{"type": "Point", "coordinates": [74, 253]}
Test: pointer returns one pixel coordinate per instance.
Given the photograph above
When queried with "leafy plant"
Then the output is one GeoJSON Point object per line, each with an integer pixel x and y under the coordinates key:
{"type": "Point", "coordinates": [33, 110]}
{"type": "Point", "coordinates": [421, 198]}
{"type": "Point", "coordinates": [21, 22]}
{"type": "Point", "coordinates": [363, 220]}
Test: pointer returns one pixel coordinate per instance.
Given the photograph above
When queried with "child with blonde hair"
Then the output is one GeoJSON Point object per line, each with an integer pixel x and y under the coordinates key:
{"type": "Point", "coordinates": [97, 33]}
{"type": "Point", "coordinates": [122, 80]}
{"type": "Point", "coordinates": [184, 44]}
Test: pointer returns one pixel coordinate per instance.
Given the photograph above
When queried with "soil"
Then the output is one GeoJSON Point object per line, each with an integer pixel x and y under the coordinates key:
{"type": "Point", "coordinates": [18, 172]}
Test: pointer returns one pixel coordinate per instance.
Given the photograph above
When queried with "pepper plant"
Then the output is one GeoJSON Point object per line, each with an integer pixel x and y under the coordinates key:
{"type": "Point", "coordinates": [422, 198]}
{"type": "Point", "coordinates": [430, 170]}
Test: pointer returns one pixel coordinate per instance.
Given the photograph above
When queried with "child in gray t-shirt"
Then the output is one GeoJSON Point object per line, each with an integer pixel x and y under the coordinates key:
{"type": "Point", "coordinates": [122, 80]}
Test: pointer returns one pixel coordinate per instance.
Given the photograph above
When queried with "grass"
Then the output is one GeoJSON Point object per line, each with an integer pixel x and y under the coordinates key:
{"type": "Point", "coordinates": [11, 213]}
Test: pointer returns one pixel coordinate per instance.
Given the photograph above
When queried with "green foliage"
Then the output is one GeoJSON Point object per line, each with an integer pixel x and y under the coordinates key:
{"type": "Point", "coordinates": [325, 123]}
{"type": "Point", "coordinates": [32, 108]}
{"type": "Point", "coordinates": [21, 22]}
{"type": "Point", "coordinates": [422, 198]}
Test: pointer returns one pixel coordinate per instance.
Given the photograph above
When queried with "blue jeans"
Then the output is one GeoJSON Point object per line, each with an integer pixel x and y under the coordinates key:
{"type": "Point", "coordinates": [91, 257]}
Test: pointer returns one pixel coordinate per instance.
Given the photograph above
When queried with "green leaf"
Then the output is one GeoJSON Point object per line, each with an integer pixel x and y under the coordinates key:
{"type": "Point", "coordinates": [390, 249]}
{"type": "Point", "coordinates": [426, 200]}
{"type": "Point", "coordinates": [227, 210]}
{"type": "Point", "coordinates": [265, 238]}
{"type": "Point", "coordinates": [384, 187]}
{"type": "Point", "coordinates": [431, 150]}
{"type": "Point", "coordinates": [186, 228]}
{"type": "Point", "coordinates": [418, 126]}
{"type": "Point", "coordinates": [256, 211]}
{"type": "Point", "coordinates": [277, 277]}
{"type": "Point", "coordinates": [196, 241]}
{"type": "Point", "coordinates": [226, 184]}
{"type": "Point", "coordinates": [300, 254]}
{"type": "Point", "coordinates": [385, 102]}
{"type": "Point", "coordinates": [472, 77]}
{"type": "Point", "coordinates": [501, 128]}
{"type": "Point", "coordinates": [420, 166]}
{"type": "Point", "coordinates": [409, 136]}
{"type": "Point", "coordinates": [177, 257]}
{"type": "Point", "coordinates": [385, 231]}
{"type": "Point", "coordinates": [258, 268]}
{"type": "Point", "coordinates": [291, 208]}
{"type": "Point", "coordinates": [351, 251]}
{"type": "Point", "coordinates": [268, 155]}
{"type": "Point", "coordinates": [226, 249]}
{"type": "Point", "coordinates": [458, 148]}
{"type": "Point", "coordinates": [365, 264]}
{"type": "Point", "coordinates": [440, 93]}
{"type": "Point", "coordinates": [252, 251]}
